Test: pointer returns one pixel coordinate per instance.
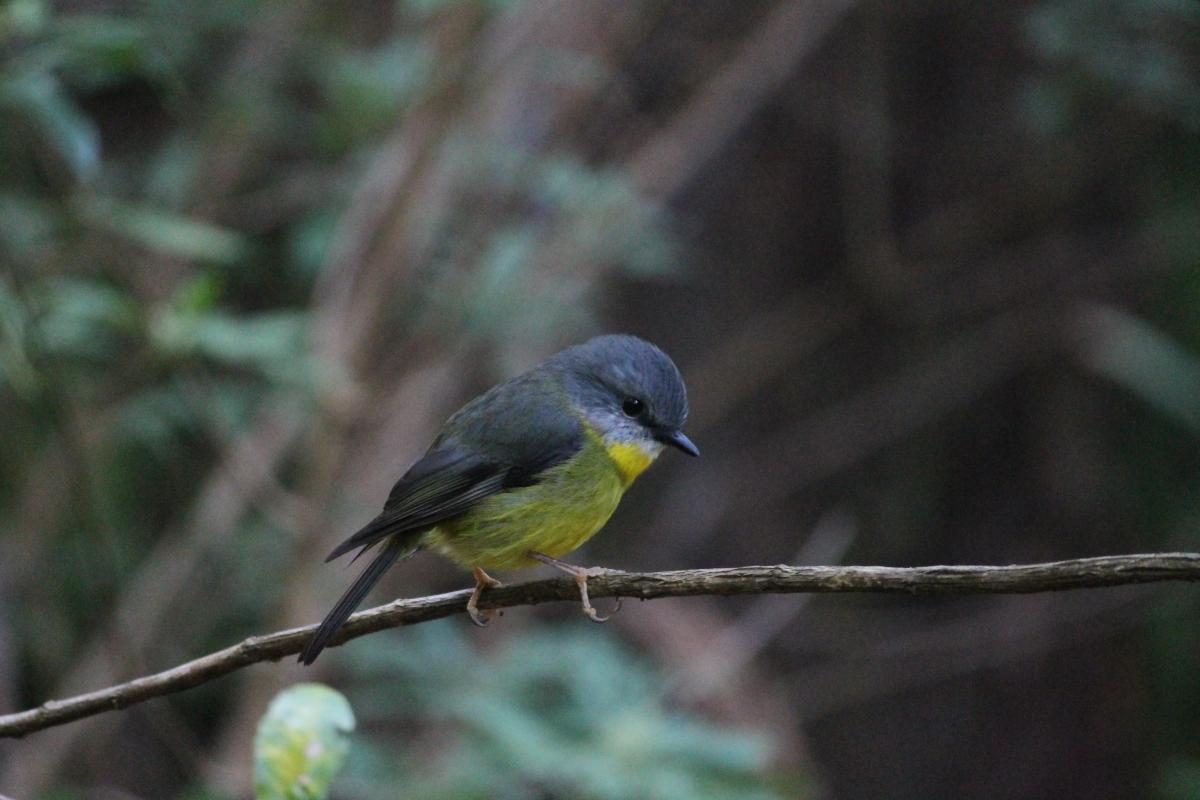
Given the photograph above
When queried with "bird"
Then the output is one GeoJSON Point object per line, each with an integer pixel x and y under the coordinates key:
{"type": "Point", "coordinates": [526, 472]}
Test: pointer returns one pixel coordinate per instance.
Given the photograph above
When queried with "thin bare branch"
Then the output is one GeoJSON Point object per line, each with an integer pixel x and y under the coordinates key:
{"type": "Point", "coordinates": [781, 579]}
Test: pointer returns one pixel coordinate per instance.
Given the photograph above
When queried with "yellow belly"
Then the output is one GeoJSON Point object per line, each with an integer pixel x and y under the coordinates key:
{"type": "Point", "coordinates": [568, 505]}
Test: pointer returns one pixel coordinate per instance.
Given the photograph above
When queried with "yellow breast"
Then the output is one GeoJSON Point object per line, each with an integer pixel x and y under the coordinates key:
{"type": "Point", "coordinates": [567, 505]}
{"type": "Point", "coordinates": [631, 459]}
{"type": "Point", "coordinates": [565, 508]}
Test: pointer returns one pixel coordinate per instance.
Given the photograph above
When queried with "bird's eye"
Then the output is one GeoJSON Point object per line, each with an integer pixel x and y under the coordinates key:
{"type": "Point", "coordinates": [633, 407]}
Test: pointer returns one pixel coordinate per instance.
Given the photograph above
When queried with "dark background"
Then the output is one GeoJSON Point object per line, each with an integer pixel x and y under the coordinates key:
{"type": "Point", "coordinates": [930, 270]}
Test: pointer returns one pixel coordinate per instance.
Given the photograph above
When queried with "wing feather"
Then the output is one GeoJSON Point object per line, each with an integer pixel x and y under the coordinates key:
{"type": "Point", "coordinates": [439, 486]}
{"type": "Point", "coordinates": [525, 426]}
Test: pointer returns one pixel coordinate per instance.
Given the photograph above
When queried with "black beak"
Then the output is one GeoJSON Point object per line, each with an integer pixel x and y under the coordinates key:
{"type": "Point", "coordinates": [677, 439]}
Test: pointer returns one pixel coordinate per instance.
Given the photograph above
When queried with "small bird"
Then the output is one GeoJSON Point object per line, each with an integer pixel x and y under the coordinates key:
{"type": "Point", "coordinates": [528, 471]}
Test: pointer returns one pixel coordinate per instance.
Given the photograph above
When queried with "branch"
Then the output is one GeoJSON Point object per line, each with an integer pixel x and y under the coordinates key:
{"type": "Point", "coordinates": [1078, 573]}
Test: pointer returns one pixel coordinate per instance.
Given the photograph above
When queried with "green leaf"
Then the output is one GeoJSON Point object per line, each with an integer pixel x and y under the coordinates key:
{"type": "Point", "coordinates": [49, 110]}
{"type": "Point", "coordinates": [271, 343]}
{"type": "Point", "coordinates": [164, 231]}
{"type": "Point", "coordinates": [23, 18]}
{"type": "Point", "coordinates": [1134, 354]}
{"type": "Point", "coordinates": [16, 369]}
{"type": "Point", "coordinates": [28, 227]}
{"type": "Point", "coordinates": [301, 743]}
{"type": "Point", "coordinates": [100, 50]}
{"type": "Point", "coordinates": [85, 320]}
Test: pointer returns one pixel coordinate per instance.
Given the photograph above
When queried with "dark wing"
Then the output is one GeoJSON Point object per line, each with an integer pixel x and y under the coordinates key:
{"type": "Point", "coordinates": [501, 440]}
{"type": "Point", "coordinates": [442, 484]}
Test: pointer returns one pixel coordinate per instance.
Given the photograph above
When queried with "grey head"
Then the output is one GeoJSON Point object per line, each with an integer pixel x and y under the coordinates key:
{"type": "Point", "coordinates": [628, 389]}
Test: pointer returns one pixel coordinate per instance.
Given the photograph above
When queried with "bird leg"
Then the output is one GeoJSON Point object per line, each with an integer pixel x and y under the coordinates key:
{"type": "Point", "coordinates": [482, 581]}
{"type": "Point", "coordinates": [581, 575]}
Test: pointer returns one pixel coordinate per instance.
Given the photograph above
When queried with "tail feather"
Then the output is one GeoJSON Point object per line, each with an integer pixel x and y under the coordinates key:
{"type": "Point", "coordinates": [395, 548]}
{"type": "Point", "coordinates": [366, 536]}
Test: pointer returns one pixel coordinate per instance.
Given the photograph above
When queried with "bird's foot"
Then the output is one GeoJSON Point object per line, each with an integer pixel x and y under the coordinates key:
{"type": "Point", "coordinates": [581, 575]}
{"type": "Point", "coordinates": [482, 581]}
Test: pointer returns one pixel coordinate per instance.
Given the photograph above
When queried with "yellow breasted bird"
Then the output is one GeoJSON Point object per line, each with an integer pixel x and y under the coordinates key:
{"type": "Point", "coordinates": [528, 471]}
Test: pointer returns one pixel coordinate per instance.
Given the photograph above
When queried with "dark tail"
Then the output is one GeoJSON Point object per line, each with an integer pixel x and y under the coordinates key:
{"type": "Point", "coordinates": [395, 548]}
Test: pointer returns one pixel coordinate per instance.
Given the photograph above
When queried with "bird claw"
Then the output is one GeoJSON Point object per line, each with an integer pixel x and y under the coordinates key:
{"type": "Point", "coordinates": [581, 579]}
{"type": "Point", "coordinates": [482, 581]}
{"type": "Point", "coordinates": [481, 618]}
{"type": "Point", "coordinates": [581, 575]}
{"type": "Point", "coordinates": [595, 616]}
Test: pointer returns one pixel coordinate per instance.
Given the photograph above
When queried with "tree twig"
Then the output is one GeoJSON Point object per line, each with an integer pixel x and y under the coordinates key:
{"type": "Point", "coordinates": [1017, 579]}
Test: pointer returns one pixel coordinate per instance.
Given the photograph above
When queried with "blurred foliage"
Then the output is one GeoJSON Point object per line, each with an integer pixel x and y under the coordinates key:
{"type": "Point", "coordinates": [1141, 59]}
{"type": "Point", "coordinates": [1180, 780]}
{"type": "Point", "coordinates": [172, 182]}
{"type": "Point", "coordinates": [1150, 364]}
{"type": "Point", "coordinates": [566, 712]}
{"type": "Point", "coordinates": [175, 181]}
{"type": "Point", "coordinates": [1142, 51]}
{"type": "Point", "coordinates": [301, 743]}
